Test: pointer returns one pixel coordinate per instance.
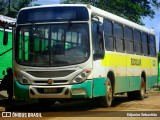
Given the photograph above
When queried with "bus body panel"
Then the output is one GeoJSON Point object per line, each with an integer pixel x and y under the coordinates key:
{"type": "Point", "coordinates": [128, 75]}
{"type": "Point", "coordinates": [21, 91]}
{"type": "Point", "coordinates": [99, 85]}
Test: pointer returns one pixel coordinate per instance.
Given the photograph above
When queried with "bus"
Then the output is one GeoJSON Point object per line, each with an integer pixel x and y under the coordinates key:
{"type": "Point", "coordinates": [78, 51]}
{"type": "Point", "coordinates": [6, 50]}
{"type": "Point", "coordinates": [5, 53]}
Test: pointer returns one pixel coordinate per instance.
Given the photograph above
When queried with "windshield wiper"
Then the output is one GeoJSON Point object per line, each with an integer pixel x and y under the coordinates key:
{"type": "Point", "coordinates": [39, 32]}
{"type": "Point", "coordinates": [69, 24]}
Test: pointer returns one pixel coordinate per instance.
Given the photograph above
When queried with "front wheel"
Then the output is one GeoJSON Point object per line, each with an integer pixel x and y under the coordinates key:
{"type": "Point", "coordinates": [106, 101]}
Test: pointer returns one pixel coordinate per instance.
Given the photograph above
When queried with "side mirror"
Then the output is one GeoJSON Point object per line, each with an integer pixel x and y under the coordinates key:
{"type": "Point", "coordinates": [98, 54]}
{"type": "Point", "coordinates": [3, 72]}
{"type": "Point", "coordinates": [5, 38]}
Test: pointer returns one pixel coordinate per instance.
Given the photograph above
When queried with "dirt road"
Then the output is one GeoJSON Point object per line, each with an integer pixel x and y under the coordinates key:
{"type": "Point", "coordinates": [123, 108]}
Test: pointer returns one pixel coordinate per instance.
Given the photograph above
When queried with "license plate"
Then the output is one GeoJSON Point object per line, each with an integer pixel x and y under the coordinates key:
{"type": "Point", "coordinates": [50, 90]}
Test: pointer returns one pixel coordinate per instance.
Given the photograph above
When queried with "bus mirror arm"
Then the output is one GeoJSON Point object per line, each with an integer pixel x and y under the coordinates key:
{"type": "Point", "coordinates": [95, 17]}
{"type": "Point", "coordinates": [3, 72]}
{"type": "Point", "coordinates": [98, 54]}
{"type": "Point", "coordinates": [5, 37]}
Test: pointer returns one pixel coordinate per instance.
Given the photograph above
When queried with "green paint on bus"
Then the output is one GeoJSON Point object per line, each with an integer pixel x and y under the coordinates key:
{"type": "Point", "coordinates": [5, 53]}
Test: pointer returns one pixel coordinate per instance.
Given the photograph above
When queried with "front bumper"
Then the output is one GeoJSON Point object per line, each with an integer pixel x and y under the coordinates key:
{"type": "Point", "coordinates": [83, 90]}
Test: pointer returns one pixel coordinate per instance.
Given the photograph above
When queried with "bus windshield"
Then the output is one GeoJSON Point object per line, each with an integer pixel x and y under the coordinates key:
{"type": "Point", "coordinates": [52, 45]}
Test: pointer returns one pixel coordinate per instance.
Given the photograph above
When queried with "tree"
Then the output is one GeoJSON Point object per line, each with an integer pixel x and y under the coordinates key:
{"type": "Point", "coordinates": [133, 10]}
{"type": "Point", "coordinates": [2, 6]}
{"type": "Point", "coordinates": [11, 7]}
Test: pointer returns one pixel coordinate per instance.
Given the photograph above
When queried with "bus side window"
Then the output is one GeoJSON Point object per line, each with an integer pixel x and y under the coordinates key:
{"type": "Point", "coordinates": [145, 43]}
{"type": "Point", "coordinates": [152, 46]}
{"type": "Point", "coordinates": [97, 39]}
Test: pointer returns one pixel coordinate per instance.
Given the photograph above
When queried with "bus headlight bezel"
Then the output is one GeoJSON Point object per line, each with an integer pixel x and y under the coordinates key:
{"type": "Point", "coordinates": [22, 79]}
{"type": "Point", "coordinates": [81, 77]}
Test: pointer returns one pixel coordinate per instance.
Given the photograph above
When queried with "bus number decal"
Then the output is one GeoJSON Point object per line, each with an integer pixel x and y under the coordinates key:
{"type": "Point", "coordinates": [135, 62]}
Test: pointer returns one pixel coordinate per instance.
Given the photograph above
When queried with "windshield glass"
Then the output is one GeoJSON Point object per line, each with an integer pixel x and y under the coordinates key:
{"type": "Point", "coordinates": [52, 45]}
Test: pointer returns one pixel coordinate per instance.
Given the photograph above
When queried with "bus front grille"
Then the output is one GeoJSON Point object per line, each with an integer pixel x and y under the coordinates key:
{"type": "Point", "coordinates": [55, 81]}
{"type": "Point", "coordinates": [50, 74]}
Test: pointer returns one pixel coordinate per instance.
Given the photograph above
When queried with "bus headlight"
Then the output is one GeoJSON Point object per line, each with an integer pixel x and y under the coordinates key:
{"type": "Point", "coordinates": [81, 77]}
{"type": "Point", "coordinates": [21, 79]}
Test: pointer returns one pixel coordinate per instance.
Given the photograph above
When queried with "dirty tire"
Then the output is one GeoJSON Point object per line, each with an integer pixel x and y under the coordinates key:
{"type": "Point", "coordinates": [141, 92]}
{"type": "Point", "coordinates": [106, 101]}
{"type": "Point", "coordinates": [139, 95]}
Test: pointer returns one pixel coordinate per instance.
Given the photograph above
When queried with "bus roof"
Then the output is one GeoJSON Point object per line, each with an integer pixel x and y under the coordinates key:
{"type": "Point", "coordinates": [118, 19]}
{"type": "Point", "coordinates": [5, 19]}
{"type": "Point", "coordinates": [101, 13]}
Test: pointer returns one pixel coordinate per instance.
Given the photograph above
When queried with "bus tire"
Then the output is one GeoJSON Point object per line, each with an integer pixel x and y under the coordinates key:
{"type": "Point", "coordinates": [139, 95]}
{"type": "Point", "coordinates": [106, 101]}
{"type": "Point", "coordinates": [141, 92]}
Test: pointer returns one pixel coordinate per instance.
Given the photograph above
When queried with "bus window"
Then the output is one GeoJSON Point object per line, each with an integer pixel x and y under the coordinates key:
{"type": "Point", "coordinates": [57, 40]}
{"type": "Point", "coordinates": [108, 35]}
{"type": "Point", "coordinates": [137, 42]}
{"type": "Point", "coordinates": [23, 44]}
{"type": "Point", "coordinates": [128, 36]}
{"type": "Point", "coordinates": [152, 47]}
{"type": "Point", "coordinates": [118, 34]}
{"type": "Point", "coordinates": [20, 47]}
{"type": "Point", "coordinates": [32, 45]}
{"type": "Point", "coordinates": [97, 37]}
{"type": "Point", "coordinates": [71, 40]}
{"type": "Point", "coordinates": [145, 43]}
{"type": "Point", "coordinates": [26, 39]}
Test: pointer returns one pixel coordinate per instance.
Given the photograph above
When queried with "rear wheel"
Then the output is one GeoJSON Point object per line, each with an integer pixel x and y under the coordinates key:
{"type": "Point", "coordinates": [106, 101]}
{"type": "Point", "coordinates": [138, 94]}
{"type": "Point", "coordinates": [141, 92]}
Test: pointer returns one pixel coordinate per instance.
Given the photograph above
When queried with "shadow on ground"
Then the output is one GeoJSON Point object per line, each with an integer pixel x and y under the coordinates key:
{"type": "Point", "coordinates": [32, 105]}
{"type": "Point", "coordinates": [35, 106]}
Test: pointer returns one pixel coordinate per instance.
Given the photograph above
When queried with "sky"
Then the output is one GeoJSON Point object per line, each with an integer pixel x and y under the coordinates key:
{"type": "Point", "coordinates": [149, 23]}
{"type": "Point", "coordinates": [46, 2]}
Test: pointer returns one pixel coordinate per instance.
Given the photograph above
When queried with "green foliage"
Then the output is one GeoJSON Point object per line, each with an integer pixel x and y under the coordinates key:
{"type": "Point", "coordinates": [133, 10]}
{"type": "Point", "coordinates": [15, 5]}
{"type": "Point", "coordinates": [2, 6]}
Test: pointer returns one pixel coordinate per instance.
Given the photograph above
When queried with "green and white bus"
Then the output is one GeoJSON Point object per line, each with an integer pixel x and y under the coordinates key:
{"type": "Point", "coordinates": [5, 50]}
{"type": "Point", "coordinates": [79, 51]}
{"type": "Point", "coordinates": [5, 53]}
